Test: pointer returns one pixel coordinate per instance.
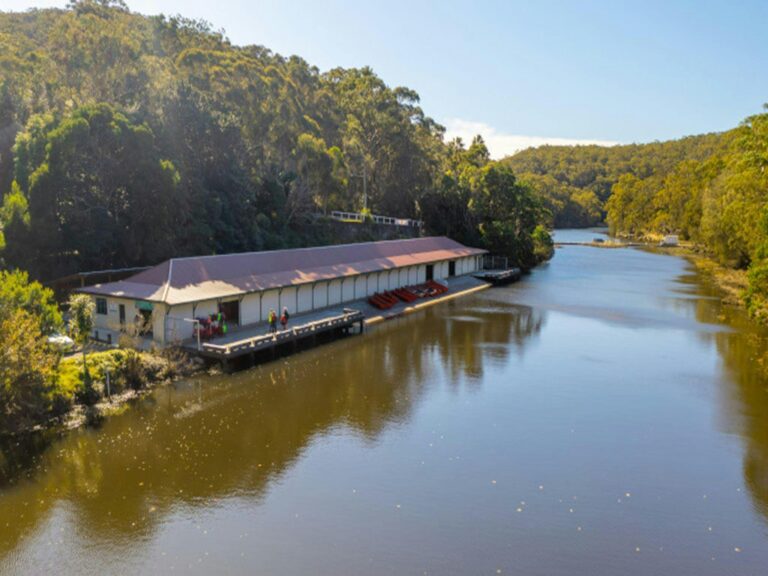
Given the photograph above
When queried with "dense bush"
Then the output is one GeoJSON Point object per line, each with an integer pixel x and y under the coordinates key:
{"type": "Point", "coordinates": [27, 368]}
{"type": "Point", "coordinates": [27, 364]}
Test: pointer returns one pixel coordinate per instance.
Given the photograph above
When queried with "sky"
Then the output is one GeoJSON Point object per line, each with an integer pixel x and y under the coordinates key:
{"type": "Point", "coordinates": [525, 73]}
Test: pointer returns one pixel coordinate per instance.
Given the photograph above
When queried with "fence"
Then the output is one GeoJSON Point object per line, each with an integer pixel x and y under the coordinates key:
{"type": "Point", "coordinates": [376, 219]}
{"type": "Point", "coordinates": [492, 262]}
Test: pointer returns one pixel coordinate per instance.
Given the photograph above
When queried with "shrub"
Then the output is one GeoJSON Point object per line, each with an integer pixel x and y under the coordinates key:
{"type": "Point", "coordinates": [26, 369]}
{"type": "Point", "coordinates": [543, 247]}
{"type": "Point", "coordinates": [133, 373]}
{"type": "Point", "coordinates": [18, 293]}
{"type": "Point", "coordinates": [756, 295]}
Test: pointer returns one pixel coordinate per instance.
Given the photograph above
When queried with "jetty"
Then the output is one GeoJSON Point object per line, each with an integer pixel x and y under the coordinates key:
{"type": "Point", "coordinates": [499, 276]}
{"type": "Point", "coordinates": [601, 244]}
{"type": "Point", "coordinates": [250, 342]}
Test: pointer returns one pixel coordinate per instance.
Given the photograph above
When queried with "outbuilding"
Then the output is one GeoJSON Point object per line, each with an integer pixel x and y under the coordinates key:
{"type": "Point", "coordinates": [244, 287]}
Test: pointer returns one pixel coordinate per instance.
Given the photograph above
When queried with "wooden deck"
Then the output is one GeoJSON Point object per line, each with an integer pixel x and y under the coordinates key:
{"type": "Point", "coordinates": [251, 344]}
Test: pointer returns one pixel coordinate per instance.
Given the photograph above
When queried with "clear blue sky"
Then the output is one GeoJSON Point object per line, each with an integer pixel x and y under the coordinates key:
{"type": "Point", "coordinates": [587, 70]}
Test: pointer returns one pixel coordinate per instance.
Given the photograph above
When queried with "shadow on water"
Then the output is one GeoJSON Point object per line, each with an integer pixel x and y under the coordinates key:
{"type": "Point", "coordinates": [217, 437]}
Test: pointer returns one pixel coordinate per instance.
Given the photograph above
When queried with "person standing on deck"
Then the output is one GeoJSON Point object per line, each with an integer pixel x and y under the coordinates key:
{"type": "Point", "coordinates": [284, 317]}
{"type": "Point", "coordinates": [272, 318]}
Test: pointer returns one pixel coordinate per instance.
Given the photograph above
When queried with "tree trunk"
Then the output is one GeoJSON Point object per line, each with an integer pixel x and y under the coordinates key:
{"type": "Point", "coordinates": [86, 376]}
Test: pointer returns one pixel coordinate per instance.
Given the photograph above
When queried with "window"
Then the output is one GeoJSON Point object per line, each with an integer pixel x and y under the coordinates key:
{"type": "Point", "coordinates": [452, 268]}
{"type": "Point", "coordinates": [101, 305]}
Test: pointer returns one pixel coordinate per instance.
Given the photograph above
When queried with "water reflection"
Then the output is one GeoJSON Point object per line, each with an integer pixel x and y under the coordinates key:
{"type": "Point", "coordinates": [234, 436]}
{"type": "Point", "coordinates": [744, 401]}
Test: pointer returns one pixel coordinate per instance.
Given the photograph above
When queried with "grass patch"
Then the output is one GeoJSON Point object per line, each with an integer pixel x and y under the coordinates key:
{"type": "Point", "coordinates": [128, 369]}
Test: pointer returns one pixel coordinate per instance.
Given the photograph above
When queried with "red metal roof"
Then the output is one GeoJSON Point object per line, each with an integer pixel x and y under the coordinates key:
{"type": "Point", "coordinates": [183, 280]}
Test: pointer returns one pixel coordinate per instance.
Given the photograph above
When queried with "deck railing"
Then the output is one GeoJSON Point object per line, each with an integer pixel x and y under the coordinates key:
{"type": "Point", "coordinates": [262, 341]}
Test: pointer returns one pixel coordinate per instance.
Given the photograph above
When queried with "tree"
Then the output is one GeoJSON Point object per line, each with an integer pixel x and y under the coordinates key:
{"type": "Point", "coordinates": [28, 314]}
{"type": "Point", "coordinates": [134, 139]}
{"type": "Point", "coordinates": [482, 202]}
{"type": "Point", "coordinates": [18, 293]}
{"type": "Point", "coordinates": [26, 368]}
{"type": "Point", "coordinates": [98, 196]}
{"type": "Point", "coordinates": [81, 309]}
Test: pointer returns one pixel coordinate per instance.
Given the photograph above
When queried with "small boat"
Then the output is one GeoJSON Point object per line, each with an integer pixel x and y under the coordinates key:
{"type": "Point", "coordinates": [598, 240]}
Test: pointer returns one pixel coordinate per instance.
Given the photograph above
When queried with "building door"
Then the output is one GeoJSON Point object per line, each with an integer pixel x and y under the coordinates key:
{"type": "Point", "coordinates": [122, 316]}
{"type": "Point", "coordinates": [430, 272]}
{"type": "Point", "coordinates": [451, 268]}
{"type": "Point", "coordinates": [231, 311]}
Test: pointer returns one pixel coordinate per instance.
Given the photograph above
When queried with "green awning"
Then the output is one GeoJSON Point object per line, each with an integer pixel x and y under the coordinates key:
{"type": "Point", "coordinates": [143, 305]}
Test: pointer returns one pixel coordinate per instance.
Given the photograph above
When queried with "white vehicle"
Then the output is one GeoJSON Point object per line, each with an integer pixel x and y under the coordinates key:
{"type": "Point", "coordinates": [61, 342]}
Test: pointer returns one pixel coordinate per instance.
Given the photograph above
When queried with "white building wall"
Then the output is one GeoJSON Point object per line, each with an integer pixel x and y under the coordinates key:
{"type": "Point", "coordinates": [158, 323]}
{"type": "Point", "coordinates": [359, 287]}
{"type": "Point", "coordinates": [371, 283]}
{"type": "Point", "coordinates": [334, 292]}
{"type": "Point", "coordinates": [348, 289]}
{"type": "Point", "coordinates": [269, 302]}
{"type": "Point", "coordinates": [288, 299]}
{"type": "Point", "coordinates": [321, 295]}
{"type": "Point", "coordinates": [250, 312]}
{"type": "Point", "coordinates": [305, 298]}
{"type": "Point", "coordinates": [392, 279]}
{"type": "Point", "coordinates": [383, 281]}
{"type": "Point", "coordinates": [176, 328]}
{"type": "Point", "coordinates": [111, 320]}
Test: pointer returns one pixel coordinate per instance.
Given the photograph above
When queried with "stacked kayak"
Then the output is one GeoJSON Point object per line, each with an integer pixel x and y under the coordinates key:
{"type": "Point", "coordinates": [385, 300]}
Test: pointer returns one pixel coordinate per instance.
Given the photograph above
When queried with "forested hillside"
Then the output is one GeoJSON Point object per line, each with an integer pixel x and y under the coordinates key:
{"type": "Point", "coordinates": [711, 190]}
{"type": "Point", "coordinates": [576, 181]}
{"type": "Point", "coordinates": [127, 139]}
{"type": "Point", "coordinates": [719, 202]}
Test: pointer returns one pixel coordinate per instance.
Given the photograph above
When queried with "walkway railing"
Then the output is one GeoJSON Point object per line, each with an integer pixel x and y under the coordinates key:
{"type": "Point", "coordinates": [264, 341]}
{"type": "Point", "coordinates": [389, 220]}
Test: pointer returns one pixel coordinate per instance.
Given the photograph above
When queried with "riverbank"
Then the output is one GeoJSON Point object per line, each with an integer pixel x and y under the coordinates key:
{"type": "Point", "coordinates": [118, 377]}
{"type": "Point", "coordinates": [730, 282]}
{"type": "Point", "coordinates": [115, 378]}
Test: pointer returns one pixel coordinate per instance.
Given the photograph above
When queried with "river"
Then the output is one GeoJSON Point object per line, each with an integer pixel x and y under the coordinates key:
{"type": "Point", "coordinates": [605, 415]}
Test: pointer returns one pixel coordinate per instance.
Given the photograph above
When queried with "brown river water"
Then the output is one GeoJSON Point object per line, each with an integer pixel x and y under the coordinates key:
{"type": "Point", "coordinates": [605, 415]}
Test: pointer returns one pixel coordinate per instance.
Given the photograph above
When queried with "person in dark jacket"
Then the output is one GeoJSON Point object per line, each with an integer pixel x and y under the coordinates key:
{"type": "Point", "coordinates": [284, 317]}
